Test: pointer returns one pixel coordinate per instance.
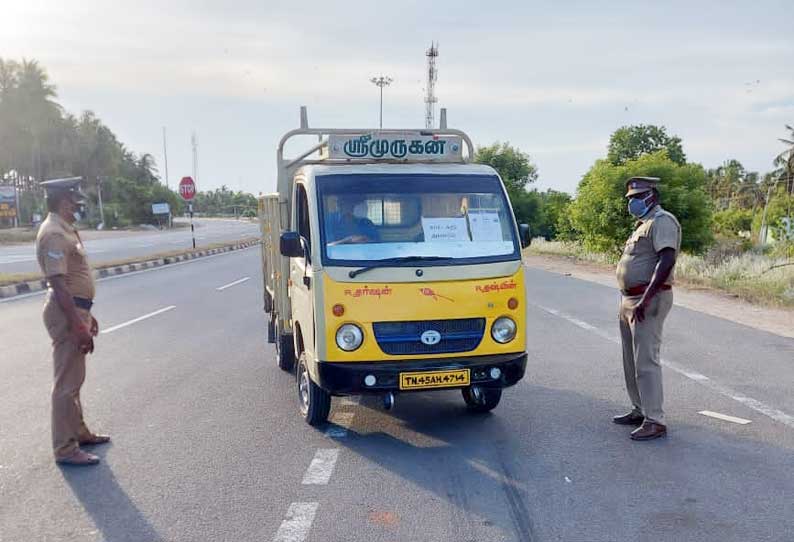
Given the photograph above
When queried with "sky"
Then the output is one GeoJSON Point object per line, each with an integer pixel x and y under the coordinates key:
{"type": "Point", "coordinates": [554, 79]}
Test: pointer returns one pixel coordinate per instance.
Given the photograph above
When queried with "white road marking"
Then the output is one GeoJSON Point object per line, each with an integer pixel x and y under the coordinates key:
{"type": "Point", "coordinates": [724, 417]}
{"type": "Point", "coordinates": [126, 275]}
{"type": "Point", "coordinates": [136, 320]}
{"type": "Point", "coordinates": [749, 402]}
{"type": "Point", "coordinates": [321, 467]}
{"type": "Point", "coordinates": [298, 522]}
{"type": "Point", "coordinates": [235, 283]}
{"type": "Point", "coordinates": [340, 421]}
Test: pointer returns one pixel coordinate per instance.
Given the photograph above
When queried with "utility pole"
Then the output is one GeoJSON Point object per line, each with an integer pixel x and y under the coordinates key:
{"type": "Point", "coordinates": [17, 184]}
{"type": "Point", "coordinates": [99, 200]}
{"type": "Point", "coordinates": [432, 77]}
{"type": "Point", "coordinates": [381, 81]}
{"type": "Point", "coordinates": [165, 156]}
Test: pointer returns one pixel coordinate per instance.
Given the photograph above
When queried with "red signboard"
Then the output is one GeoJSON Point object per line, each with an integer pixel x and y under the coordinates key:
{"type": "Point", "coordinates": [187, 188]}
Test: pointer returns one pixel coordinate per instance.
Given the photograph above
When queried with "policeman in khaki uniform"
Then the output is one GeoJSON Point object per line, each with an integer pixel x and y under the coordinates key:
{"type": "Point", "coordinates": [68, 319]}
{"type": "Point", "coordinates": [645, 278]}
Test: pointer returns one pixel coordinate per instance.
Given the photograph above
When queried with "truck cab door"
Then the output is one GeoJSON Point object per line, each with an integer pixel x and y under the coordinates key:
{"type": "Point", "coordinates": [301, 275]}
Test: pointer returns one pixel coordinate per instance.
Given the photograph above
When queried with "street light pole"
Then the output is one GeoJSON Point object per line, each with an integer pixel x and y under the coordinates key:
{"type": "Point", "coordinates": [381, 81]}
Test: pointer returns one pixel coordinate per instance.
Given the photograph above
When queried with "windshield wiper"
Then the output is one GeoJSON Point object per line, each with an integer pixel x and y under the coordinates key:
{"type": "Point", "coordinates": [386, 261]}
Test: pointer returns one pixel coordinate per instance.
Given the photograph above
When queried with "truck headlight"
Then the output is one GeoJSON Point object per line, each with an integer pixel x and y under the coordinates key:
{"type": "Point", "coordinates": [504, 330]}
{"type": "Point", "coordinates": [349, 337]}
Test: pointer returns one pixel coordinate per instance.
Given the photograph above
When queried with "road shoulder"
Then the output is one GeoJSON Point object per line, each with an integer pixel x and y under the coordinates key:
{"type": "Point", "coordinates": [705, 300]}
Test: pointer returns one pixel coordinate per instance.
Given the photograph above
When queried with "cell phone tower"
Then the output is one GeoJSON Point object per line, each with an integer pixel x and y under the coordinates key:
{"type": "Point", "coordinates": [432, 76]}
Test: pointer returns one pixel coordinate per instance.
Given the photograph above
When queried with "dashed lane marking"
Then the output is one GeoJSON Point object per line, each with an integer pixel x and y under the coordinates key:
{"type": "Point", "coordinates": [321, 467]}
{"type": "Point", "coordinates": [749, 402]}
{"type": "Point", "coordinates": [235, 283]}
{"type": "Point", "coordinates": [140, 318]}
{"type": "Point", "coordinates": [724, 417]}
{"type": "Point", "coordinates": [297, 523]}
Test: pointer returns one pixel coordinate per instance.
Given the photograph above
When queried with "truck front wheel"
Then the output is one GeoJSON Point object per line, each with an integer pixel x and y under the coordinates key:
{"type": "Point", "coordinates": [315, 402]}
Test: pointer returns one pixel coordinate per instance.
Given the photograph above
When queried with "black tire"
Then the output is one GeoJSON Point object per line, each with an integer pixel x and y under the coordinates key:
{"type": "Point", "coordinates": [487, 402]}
{"type": "Point", "coordinates": [315, 402]}
{"type": "Point", "coordinates": [285, 350]}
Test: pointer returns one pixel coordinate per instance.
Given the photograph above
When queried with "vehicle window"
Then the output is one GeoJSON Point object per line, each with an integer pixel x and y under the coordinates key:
{"type": "Point", "coordinates": [369, 217]}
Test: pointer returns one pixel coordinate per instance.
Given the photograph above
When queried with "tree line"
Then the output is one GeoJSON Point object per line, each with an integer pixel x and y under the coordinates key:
{"type": "Point", "coordinates": [39, 140]}
{"type": "Point", "coordinates": [724, 203]}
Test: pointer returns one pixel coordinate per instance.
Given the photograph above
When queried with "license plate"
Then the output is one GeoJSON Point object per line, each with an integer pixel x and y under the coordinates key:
{"type": "Point", "coordinates": [434, 379]}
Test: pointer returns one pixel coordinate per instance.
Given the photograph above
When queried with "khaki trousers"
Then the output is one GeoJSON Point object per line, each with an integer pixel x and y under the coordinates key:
{"type": "Point", "coordinates": [68, 427]}
{"type": "Point", "coordinates": [642, 364]}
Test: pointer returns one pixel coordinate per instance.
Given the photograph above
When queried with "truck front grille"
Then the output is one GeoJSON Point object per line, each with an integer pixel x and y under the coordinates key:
{"type": "Point", "coordinates": [405, 338]}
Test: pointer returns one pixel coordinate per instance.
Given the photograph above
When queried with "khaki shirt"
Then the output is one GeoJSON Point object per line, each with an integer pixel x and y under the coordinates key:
{"type": "Point", "coordinates": [656, 231]}
{"type": "Point", "coordinates": [60, 252]}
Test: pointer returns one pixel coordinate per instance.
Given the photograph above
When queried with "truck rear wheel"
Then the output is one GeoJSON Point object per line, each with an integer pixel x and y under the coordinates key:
{"type": "Point", "coordinates": [315, 402]}
{"type": "Point", "coordinates": [482, 399]}
{"type": "Point", "coordinates": [285, 350]}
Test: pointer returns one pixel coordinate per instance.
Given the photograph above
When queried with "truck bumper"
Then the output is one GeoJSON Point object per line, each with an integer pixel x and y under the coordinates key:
{"type": "Point", "coordinates": [348, 378]}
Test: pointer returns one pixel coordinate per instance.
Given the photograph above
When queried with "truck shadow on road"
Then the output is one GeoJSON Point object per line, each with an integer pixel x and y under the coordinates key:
{"type": "Point", "coordinates": [549, 464]}
{"type": "Point", "coordinates": [110, 508]}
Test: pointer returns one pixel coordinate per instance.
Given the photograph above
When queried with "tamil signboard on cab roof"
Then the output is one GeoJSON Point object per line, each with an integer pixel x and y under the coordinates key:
{"type": "Point", "coordinates": [8, 202]}
{"type": "Point", "coordinates": [395, 147]}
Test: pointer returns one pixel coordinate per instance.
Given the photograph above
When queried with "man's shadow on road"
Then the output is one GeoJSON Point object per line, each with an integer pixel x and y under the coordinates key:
{"type": "Point", "coordinates": [110, 508]}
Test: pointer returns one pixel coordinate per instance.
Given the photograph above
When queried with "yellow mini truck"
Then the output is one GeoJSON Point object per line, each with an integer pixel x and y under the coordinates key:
{"type": "Point", "coordinates": [392, 264]}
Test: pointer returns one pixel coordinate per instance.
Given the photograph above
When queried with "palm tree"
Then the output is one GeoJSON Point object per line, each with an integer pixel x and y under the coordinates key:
{"type": "Point", "coordinates": [785, 161]}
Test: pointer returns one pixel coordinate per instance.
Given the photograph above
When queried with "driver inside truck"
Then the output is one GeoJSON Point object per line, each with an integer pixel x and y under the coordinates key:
{"type": "Point", "coordinates": [347, 225]}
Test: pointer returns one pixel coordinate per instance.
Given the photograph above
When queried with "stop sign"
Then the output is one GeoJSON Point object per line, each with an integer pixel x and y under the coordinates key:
{"type": "Point", "coordinates": [187, 188]}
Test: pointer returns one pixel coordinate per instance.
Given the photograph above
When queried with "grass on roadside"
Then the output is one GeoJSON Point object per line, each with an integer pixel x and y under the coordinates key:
{"type": "Point", "coordinates": [757, 278]}
{"type": "Point", "coordinates": [14, 278]}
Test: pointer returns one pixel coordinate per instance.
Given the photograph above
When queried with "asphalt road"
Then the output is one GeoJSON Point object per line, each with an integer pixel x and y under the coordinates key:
{"type": "Point", "coordinates": [208, 444]}
{"type": "Point", "coordinates": [112, 246]}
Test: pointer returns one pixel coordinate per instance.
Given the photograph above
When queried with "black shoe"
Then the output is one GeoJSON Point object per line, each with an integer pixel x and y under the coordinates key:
{"type": "Point", "coordinates": [632, 418]}
{"type": "Point", "coordinates": [649, 431]}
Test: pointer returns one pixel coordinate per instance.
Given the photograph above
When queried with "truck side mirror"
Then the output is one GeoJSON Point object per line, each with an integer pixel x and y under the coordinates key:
{"type": "Point", "coordinates": [526, 235]}
{"type": "Point", "coordinates": [290, 244]}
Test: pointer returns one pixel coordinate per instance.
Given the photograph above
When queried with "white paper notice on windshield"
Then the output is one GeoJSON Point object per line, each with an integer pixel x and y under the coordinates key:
{"type": "Point", "coordinates": [445, 229]}
{"type": "Point", "coordinates": [485, 226]}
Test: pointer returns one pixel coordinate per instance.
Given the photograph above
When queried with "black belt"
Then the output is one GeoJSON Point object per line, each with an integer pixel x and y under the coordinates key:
{"type": "Point", "coordinates": [83, 303]}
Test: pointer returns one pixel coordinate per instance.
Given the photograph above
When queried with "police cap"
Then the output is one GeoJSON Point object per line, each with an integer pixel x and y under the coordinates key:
{"type": "Point", "coordinates": [638, 185]}
{"type": "Point", "coordinates": [68, 186]}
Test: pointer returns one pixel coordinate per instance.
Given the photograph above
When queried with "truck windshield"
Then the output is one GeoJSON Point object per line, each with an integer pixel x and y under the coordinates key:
{"type": "Point", "coordinates": [368, 217]}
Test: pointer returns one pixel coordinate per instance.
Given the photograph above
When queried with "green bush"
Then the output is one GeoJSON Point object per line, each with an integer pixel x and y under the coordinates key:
{"type": "Point", "coordinates": [733, 221]}
{"type": "Point", "coordinates": [599, 218]}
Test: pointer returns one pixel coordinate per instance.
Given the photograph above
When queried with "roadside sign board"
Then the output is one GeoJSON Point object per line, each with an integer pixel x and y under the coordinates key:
{"type": "Point", "coordinates": [161, 209]}
{"type": "Point", "coordinates": [187, 188]}
{"type": "Point", "coordinates": [8, 202]}
{"type": "Point", "coordinates": [395, 147]}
